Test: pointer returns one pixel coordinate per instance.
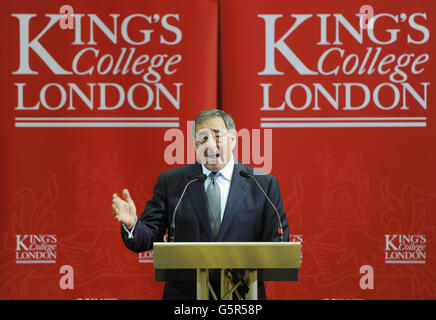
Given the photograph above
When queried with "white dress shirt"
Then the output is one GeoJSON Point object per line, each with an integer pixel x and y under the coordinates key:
{"type": "Point", "coordinates": [223, 178]}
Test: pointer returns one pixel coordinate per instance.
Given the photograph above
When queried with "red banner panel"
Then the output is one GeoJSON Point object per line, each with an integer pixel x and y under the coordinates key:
{"type": "Point", "coordinates": [333, 98]}
{"type": "Point", "coordinates": [344, 90]}
{"type": "Point", "coordinates": [94, 97]}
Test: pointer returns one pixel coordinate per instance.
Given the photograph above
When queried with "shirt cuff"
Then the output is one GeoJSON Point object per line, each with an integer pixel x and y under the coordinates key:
{"type": "Point", "coordinates": [130, 232]}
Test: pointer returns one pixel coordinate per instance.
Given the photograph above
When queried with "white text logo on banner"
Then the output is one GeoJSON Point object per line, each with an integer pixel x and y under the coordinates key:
{"type": "Point", "coordinates": [405, 248]}
{"type": "Point", "coordinates": [357, 71]}
{"type": "Point", "coordinates": [36, 248]}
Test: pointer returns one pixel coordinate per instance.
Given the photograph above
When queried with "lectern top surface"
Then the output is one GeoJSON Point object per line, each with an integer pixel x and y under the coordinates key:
{"type": "Point", "coordinates": [218, 255]}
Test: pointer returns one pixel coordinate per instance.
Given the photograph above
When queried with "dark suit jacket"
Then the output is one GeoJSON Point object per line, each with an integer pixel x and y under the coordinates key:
{"type": "Point", "coordinates": [247, 217]}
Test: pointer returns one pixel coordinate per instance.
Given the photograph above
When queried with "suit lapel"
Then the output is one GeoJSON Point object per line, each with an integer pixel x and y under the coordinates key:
{"type": "Point", "coordinates": [235, 199]}
{"type": "Point", "coordinates": [198, 199]}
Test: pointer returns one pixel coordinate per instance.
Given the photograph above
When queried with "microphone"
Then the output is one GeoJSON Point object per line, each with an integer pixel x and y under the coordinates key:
{"type": "Point", "coordinates": [280, 229]}
{"type": "Point", "coordinates": [199, 178]}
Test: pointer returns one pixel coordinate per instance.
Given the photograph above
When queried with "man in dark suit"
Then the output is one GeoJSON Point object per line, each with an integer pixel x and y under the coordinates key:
{"type": "Point", "coordinates": [226, 207]}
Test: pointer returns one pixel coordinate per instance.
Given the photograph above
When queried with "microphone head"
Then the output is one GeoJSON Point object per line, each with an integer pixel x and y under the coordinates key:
{"type": "Point", "coordinates": [244, 174]}
{"type": "Point", "coordinates": [201, 177]}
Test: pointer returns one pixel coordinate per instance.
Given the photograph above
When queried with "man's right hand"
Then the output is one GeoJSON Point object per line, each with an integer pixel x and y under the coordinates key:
{"type": "Point", "coordinates": [124, 210]}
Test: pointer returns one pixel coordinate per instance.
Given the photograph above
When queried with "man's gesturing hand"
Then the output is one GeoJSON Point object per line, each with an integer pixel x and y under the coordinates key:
{"type": "Point", "coordinates": [124, 210]}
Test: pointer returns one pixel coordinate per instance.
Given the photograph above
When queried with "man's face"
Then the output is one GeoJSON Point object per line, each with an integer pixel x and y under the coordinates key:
{"type": "Point", "coordinates": [214, 143]}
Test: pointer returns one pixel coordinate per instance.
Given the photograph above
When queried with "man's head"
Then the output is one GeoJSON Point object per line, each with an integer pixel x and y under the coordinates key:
{"type": "Point", "coordinates": [214, 137]}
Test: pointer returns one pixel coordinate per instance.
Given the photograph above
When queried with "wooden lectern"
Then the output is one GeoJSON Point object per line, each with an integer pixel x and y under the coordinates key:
{"type": "Point", "coordinates": [262, 261]}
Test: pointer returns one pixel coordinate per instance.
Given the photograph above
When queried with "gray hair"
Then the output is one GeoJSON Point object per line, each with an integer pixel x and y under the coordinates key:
{"type": "Point", "coordinates": [213, 113]}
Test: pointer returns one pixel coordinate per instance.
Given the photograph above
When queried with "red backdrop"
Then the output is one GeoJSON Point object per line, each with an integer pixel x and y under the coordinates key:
{"type": "Point", "coordinates": [329, 108]}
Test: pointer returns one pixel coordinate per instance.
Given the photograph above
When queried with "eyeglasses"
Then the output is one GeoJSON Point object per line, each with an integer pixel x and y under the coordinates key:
{"type": "Point", "coordinates": [202, 138]}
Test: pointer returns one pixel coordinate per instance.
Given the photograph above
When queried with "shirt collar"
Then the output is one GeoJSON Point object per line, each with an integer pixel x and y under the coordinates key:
{"type": "Point", "coordinates": [227, 171]}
